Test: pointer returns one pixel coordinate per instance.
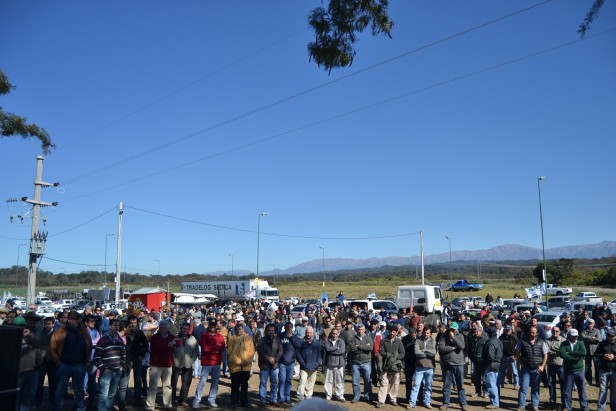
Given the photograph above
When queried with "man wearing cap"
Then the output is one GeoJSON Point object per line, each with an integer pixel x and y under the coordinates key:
{"type": "Point", "coordinates": [606, 354]}
{"type": "Point", "coordinates": [212, 347]}
{"type": "Point", "coordinates": [476, 342]}
{"type": "Point", "coordinates": [533, 354]}
{"type": "Point", "coordinates": [492, 355]}
{"type": "Point", "coordinates": [3, 313]}
{"type": "Point", "coordinates": [555, 366]}
{"type": "Point", "coordinates": [591, 337]}
{"type": "Point", "coordinates": [360, 356]}
{"type": "Point", "coordinates": [451, 350]}
{"type": "Point", "coordinates": [510, 342]}
{"type": "Point", "coordinates": [573, 353]}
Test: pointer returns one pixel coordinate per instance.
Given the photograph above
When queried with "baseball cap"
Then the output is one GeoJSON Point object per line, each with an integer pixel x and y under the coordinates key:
{"type": "Point", "coordinates": [382, 324]}
{"type": "Point", "coordinates": [611, 332]}
{"type": "Point", "coordinates": [453, 325]}
{"type": "Point", "coordinates": [19, 321]}
{"type": "Point", "coordinates": [573, 332]}
{"type": "Point", "coordinates": [507, 327]}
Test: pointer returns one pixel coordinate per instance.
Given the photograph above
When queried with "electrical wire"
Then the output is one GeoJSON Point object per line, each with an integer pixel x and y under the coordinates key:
{"type": "Point", "coordinates": [296, 95]}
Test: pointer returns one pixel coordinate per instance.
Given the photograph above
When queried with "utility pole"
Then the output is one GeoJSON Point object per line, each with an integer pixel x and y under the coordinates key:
{"type": "Point", "coordinates": [37, 238]}
{"type": "Point", "coordinates": [119, 255]}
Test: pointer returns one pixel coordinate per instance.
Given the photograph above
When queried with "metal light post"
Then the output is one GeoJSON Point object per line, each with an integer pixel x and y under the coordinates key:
{"type": "Point", "coordinates": [323, 265]}
{"type": "Point", "coordinates": [231, 255]}
{"type": "Point", "coordinates": [17, 268]}
{"type": "Point", "coordinates": [158, 261]}
{"type": "Point", "coordinates": [545, 267]}
{"type": "Point", "coordinates": [106, 238]}
{"type": "Point", "coordinates": [450, 270]}
{"type": "Point", "coordinates": [258, 237]}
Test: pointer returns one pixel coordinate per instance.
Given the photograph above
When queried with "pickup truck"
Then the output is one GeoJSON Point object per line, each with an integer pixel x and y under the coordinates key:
{"type": "Point", "coordinates": [553, 289]}
{"type": "Point", "coordinates": [463, 285]}
{"type": "Point", "coordinates": [587, 296]}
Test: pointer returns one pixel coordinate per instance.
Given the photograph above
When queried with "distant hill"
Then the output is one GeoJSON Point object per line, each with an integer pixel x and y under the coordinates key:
{"type": "Point", "coordinates": [506, 252]}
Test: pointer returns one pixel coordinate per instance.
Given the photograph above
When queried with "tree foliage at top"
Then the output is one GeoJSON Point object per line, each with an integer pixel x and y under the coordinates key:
{"type": "Point", "coordinates": [14, 125]}
{"type": "Point", "coordinates": [336, 28]}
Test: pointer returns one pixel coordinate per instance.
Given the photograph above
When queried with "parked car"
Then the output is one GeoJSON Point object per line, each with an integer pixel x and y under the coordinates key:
{"type": "Point", "coordinates": [45, 311]}
{"type": "Point", "coordinates": [375, 305]}
{"type": "Point", "coordinates": [511, 303]}
{"type": "Point", "coordinates": [292, 300]}
{"type": "Point", "coordinates": [612, 305]}
{"type": "Point", "coordinates": [560, 301]}
{"type": "Point", "coordinates": [588, 296]}
{"type": "Point", "coordinates": [463, 285]}
{"type": "Point", "coordinates": [523, 307]}
{"type": "Point", "coordinates": [548, 320]}
{"type": "Point", "coordinates": [574, 306]}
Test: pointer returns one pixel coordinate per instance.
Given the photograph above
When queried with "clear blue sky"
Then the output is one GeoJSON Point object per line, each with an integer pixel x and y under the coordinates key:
{"type": "Point", "coordinates": [211, 112]}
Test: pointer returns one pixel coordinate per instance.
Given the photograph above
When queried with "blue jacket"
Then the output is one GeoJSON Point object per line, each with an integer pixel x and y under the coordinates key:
{"type": "Point", "coordinates": [309, 355]}
{"type": "Point", "coordinates": [290, 345]}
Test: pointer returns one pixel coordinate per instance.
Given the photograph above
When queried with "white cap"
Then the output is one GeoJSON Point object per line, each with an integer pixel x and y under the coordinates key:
{"type": "Point", "coordinates": [573, 332]}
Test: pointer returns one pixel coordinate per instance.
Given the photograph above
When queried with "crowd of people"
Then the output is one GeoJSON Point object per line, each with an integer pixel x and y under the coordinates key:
{"type": "Point", "coordinates": [98, 352]}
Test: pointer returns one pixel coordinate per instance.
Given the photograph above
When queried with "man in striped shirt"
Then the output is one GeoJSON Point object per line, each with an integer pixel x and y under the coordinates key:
{"type": "Point", "coordinates": [110, 359]}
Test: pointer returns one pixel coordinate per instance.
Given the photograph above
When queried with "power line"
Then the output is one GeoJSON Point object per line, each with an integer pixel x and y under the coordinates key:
{"type": "Point", "coordinates": [347, 113]}
{"type": "Point", "coordinates": [296, 95]}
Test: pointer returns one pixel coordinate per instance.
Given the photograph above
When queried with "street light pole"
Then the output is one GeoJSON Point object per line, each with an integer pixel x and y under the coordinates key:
{"type": "Point", "coordinates": [17, 268]}
{"type": "Point", "coordinates": [258, 238]}
{"type": "Point", "coordinates": [231, 255]}
{"type": "Point", "coordinates": [106, 238]}
{"type": "Point", "coordinates": [545, 267]}
{"type": "Point", "coordinates": [158, 261]}
{"type": "Point", "coordinates": [323, 265]}
{"type": "Point", "coordinates": [450, 270]}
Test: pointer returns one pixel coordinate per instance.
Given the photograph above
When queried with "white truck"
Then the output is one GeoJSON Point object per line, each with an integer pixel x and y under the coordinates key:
{"type": "Point", "coordinates": [553, 289]}
{"type": "Point", "coordinates": [233, 290]}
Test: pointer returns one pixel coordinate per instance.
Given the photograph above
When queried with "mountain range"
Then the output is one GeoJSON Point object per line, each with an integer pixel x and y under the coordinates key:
{"type": "Point", "coordinates": [505, 252]}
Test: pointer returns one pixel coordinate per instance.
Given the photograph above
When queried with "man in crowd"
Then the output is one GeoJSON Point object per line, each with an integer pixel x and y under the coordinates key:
{"type": "Point", "coordinates": [555, 366]}
{"type": "Point", "coordinates": [240, 350]}
{"type": "Point", "coordinates": [533, 354]}
{"type": "Point", "coordinates": [591, 337]}
{"type": "Point", "coordinates": [110, 360]}
{"type": "Point", "coordinates": [510, 342]}
{"type": "Point", "coordinates": [161, 362]}
{"type": "Point", "coordinates": [476, 342]}
{"type": "Point", "coordinates": [334, 351]}
{"type": "Point", "coordinates": [212, 345]}
{"type": "Point", "coordinates": [425, 352]}
{"type": "Point", "coordinates": [492, 356]}
{"type": "Point", "coordinates": [185, 353]}
{"type": "Point", "coordinates": [360, 357]}
{"type": "Point", "coordinates": [451, 350]}
{"type": "Point", "coordinates": [47, 369]}
{"type": "Point", "coordinates": [573, 353]}
{"type": "Point", "coordinates": [70, 347]}
{"type": "Point", "coordinates": [391, 353]}
{"type": "Point", "coordinates": [269, 349]}
{"type": "Point", "coordinates": [290, 345]}
{"type": "Point", "coordinates": [408, 341]}
{"type": "Point", "coordinates": [606, 354]}
{"type": "Point", "coordinates": [310, 360]}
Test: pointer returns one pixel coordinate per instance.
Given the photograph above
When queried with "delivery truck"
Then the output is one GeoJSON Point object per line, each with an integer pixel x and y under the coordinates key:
{"type": "Point", "coordinates": [238, 290]}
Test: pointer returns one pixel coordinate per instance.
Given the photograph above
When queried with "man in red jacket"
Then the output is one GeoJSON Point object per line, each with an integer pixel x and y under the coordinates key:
{"type": "Point", "coordinates": [161, 363]}
{"type": "Point", "coordinates": [212, 346]}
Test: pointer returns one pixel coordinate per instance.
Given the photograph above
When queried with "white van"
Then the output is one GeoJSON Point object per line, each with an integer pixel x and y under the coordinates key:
{"type": "Point", "coordinates": [423, 298]}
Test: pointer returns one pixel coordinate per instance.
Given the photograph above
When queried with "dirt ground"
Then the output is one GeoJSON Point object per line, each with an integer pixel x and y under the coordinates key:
{"type": "Point", "coordinates": [508, 396]}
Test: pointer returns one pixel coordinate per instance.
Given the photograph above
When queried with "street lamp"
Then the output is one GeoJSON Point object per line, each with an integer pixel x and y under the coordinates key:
{"type": "Point", "coordinates": [106, 238]}
{"type": "Point", "coordinates": [450, 270]}
{"type": "Point", "coordinates": [545, 267]}
{"type": "Point", "coordinates": [158, 261]}
{"type": "Point", "coordinates": [258, 237]}
{"type": "Point", "coordinates": [231, 255]}
{"type": "Point", "coordinates": [323, 264]}
{"type": "Point", "coordinates": [17, 268]}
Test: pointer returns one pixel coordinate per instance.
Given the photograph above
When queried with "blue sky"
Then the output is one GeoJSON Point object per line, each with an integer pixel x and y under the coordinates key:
{"type": "Point", "coordinates": [200, 115]}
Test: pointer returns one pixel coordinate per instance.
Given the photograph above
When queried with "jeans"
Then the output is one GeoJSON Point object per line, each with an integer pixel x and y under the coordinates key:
{"type": "Point", "coordinates": [239, 387]}
{"type": "Point", "coordinates": [423, 375]}
{"type": "Point", "coordinates": [225, 362]}
{"type": "Point", "coordinates": [576, 377]}
{"type": "Point", "coordinates": [27, 389]}
{"type": "Point", "coordinates": [409, 374]}
{"type": "Point", "coordinates": [48, 369]}
{"type": "Point", "coordinates": [553, 371]}
{"type": "Point", "coordinates": [492, 387]}
{"type": "Point", "coordinates": [532, 378]}
{"type": "Point", "coordinates": [506, 362]}
{"type": "Point", "coordinates": [361, 371]}
{"type": "Point", "coordinates": [123, 388]}
{"type": "Point", "coordinates": [273, 377]}
{"type": "Point", "coordinates": [108, 382]}
{"type": "Point", "coordinates": [138, 389]}
{"type": "Point", "coordinates": [186, 375]}
{"type": "Point", "coordinates": [477, 379]}
{"type": "Point", "coordinates": [590, 362]}
{"type": "Point", "coordinates": [285, 377]}
{"type": "Point", "coordinates": [454, 374]}
{"type": "Point", "coordinates": [64, 373]}
{"type": "Point", "coordinates": [206, 370]}
{"type": "Point", "coordinates": [608, 382]}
